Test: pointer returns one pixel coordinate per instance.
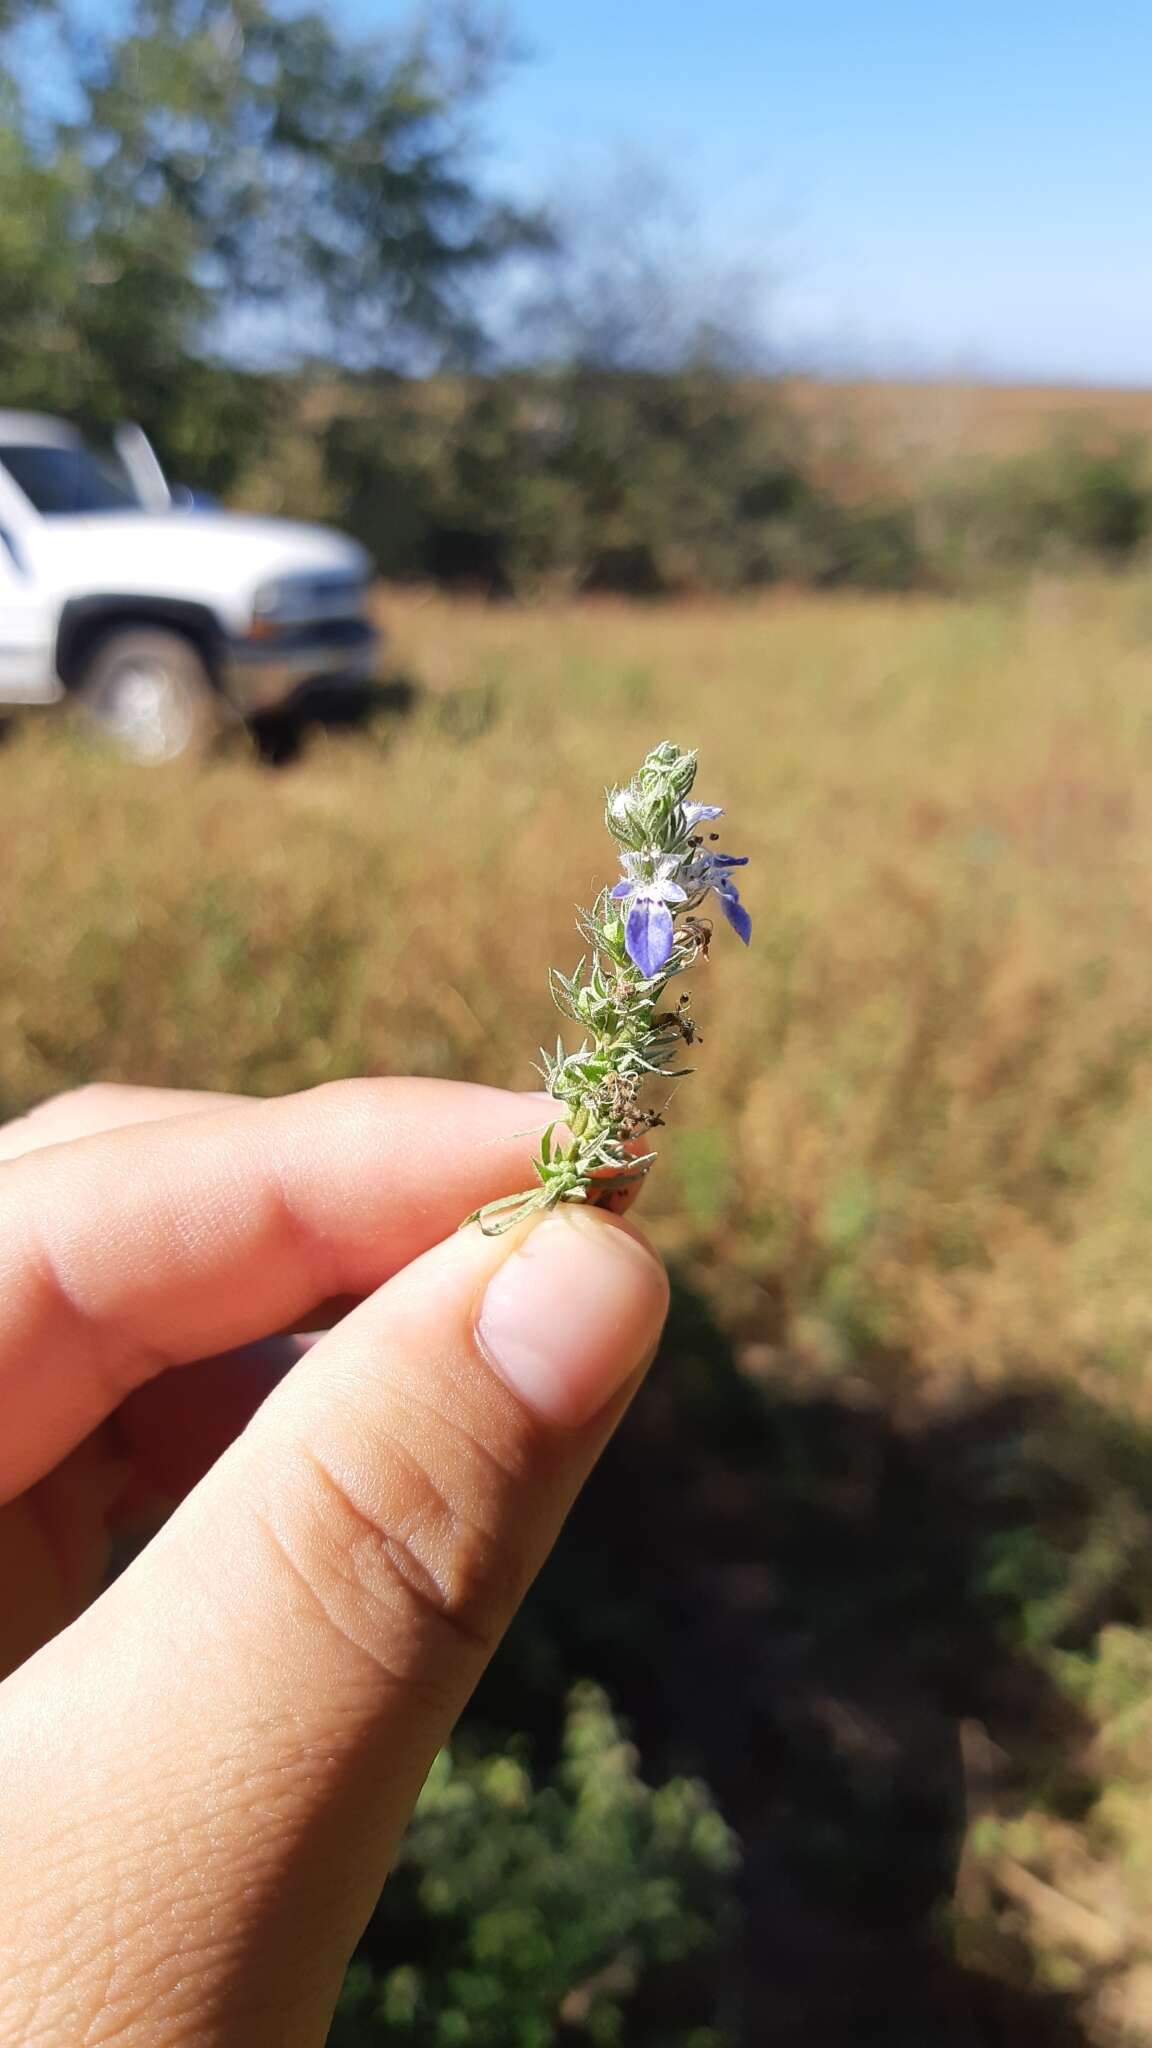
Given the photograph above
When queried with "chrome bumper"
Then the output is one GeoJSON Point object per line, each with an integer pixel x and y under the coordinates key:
{"type": "Point", "coordinates": [262, 675]}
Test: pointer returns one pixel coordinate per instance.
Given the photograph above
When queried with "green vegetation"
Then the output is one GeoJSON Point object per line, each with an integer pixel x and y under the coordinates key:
{"type": "Point", "coordinates": [581, 478]}
{"type": "Point", "coordinates": [515, 1905]}
{"type": "Point", "coordinates": [1067, 503]}
{"type": "Point", "coordinates": [191, 188]}
{"type": "Point", "coordinates": [654, 483]}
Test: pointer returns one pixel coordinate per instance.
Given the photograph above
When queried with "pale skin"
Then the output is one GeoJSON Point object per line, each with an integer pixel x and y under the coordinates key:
{"type": "Point", "coordinates": [207, 1766]}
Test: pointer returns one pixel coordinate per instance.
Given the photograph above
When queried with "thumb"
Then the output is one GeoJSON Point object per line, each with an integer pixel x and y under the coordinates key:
{"type": "Point", "coordinates": [214, 1766]}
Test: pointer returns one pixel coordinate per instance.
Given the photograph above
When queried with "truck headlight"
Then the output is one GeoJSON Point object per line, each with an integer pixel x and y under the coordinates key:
{"type": "Point", "coordinates": [275, 604]}
{"type": "Point", "coordinates": [267, 598]}
{"type": "Point", "coordinates": [287, 601]}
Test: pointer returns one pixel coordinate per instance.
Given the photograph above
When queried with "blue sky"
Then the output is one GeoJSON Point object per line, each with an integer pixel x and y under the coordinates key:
{"type": "Point", "coordinates": [936, 186]}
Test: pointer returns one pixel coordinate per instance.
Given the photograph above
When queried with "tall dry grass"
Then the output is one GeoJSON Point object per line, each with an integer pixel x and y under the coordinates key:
{"type": "Point", "coordinates": [886, 433]}
{"type": "Point", "coordinates": [918, 1126]}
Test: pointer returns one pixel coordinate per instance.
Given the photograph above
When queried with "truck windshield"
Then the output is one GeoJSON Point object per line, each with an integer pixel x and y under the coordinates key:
{"type": "Point", "coordinates": [58, 480]}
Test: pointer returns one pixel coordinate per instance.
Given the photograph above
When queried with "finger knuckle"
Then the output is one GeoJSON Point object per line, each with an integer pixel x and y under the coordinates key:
{"type": "Point", "coordinates": [400, 1566]}
{"type": "Point", "coordinates": [354, 1104]}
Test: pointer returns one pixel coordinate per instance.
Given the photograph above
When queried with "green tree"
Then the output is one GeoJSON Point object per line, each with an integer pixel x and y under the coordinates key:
{"type": "Point", "coordinates": [322, 183]}
{"type": "Point", "coordinates": [233, 185]}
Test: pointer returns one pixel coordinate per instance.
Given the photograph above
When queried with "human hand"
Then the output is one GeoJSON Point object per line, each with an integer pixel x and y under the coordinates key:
{"type": "Point", "coordinates": [207, 1772]}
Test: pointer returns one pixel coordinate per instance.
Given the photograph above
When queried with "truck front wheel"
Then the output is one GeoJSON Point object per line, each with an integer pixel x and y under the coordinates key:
{"type": "Point", "coordinates": [149, 693]}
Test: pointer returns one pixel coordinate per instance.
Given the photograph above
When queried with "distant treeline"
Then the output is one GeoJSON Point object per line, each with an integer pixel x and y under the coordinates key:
{"type": "Point", "coordinates": [662, 483]}
{"type": "Point", "coordinates": [271, 239]}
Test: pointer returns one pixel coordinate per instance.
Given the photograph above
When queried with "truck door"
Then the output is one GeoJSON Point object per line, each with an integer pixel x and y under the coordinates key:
{"type": "Point", "coordinates": [27, 612]}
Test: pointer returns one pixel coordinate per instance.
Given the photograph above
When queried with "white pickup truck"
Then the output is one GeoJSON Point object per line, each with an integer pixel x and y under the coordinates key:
{"type": "Point", "coordinates": [165, 619]}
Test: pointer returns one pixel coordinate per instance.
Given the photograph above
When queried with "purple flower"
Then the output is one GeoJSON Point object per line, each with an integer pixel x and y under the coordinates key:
{"type": "Point", "coordinates": [648, 933]}
{"type": "Point", "coordinates": [714, 871]}
{"type": "Point", "coordinates": [701, 814]}
{"type": "Point", "coordinates": [728, 897]}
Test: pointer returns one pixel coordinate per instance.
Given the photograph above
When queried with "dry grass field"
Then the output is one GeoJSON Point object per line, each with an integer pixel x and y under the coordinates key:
{"type": "Point", "coordinates": [916, 1093]}
{"type": "Point", "coordinates": [893, 435]}
{"type": "Point", "coordinates": [909, 1186]}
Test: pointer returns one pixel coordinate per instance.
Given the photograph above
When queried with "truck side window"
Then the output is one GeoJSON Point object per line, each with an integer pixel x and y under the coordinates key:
{"type": "Point", "coordinates": [60, 480]}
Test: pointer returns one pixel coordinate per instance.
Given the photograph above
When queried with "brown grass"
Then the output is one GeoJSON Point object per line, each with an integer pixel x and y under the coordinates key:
{"type": "Point", "coordinates": [891, 435]}
{"type": "Point", "coordinates": [921, 1093]}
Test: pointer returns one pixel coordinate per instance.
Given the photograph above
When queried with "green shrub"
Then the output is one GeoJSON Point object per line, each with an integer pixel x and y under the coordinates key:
{"type": "Point", "coordinates": [519, 1908]}
{"type": "Point", "coordinates": [568, 479]}
{"type": "Point", "coordinates": [652, 483]}
{"type": "Point", "coordinates": [1046, 509]}
{"type": "Point", "coordinates": [831, 545]}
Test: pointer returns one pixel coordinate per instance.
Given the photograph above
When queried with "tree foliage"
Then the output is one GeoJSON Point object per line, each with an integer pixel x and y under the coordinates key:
{"type": "Point", "coordinates": [323, 182]}
{"type": "Point", "coordinates": [223, 182]}
{"type": "Point", "coordinates": [630, 285]}
{"type": "Point", "coordinates": [579, 478]}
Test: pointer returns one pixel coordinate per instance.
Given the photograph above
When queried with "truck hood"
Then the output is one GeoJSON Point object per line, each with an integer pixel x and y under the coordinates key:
{"type": "Point", "coordinates": [214, 558]}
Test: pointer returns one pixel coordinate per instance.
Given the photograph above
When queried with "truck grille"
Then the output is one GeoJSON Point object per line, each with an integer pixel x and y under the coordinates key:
{"type": "Point", "coordinates": [330, 595]}
{"type": "Point", "coordinates": [330, 632]}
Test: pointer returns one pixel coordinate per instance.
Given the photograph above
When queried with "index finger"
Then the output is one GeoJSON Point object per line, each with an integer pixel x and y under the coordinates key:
{"type": "Point", "coordinates": [101, 1106]}
{"type": "Point", "coordinates": [126, 1253]}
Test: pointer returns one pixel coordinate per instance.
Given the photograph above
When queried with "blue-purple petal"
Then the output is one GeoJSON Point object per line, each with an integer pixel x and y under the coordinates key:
{"type": "Point", "coordinates": [728, 860]}
{"type": "Point", "coordinates": [621, 890]}
{"type": "Point", "coordinates": [700, 814]}
{"type": "Point", "coordinates": [648, 935]}
{"type": "Point", "coordinates": [735, 912]}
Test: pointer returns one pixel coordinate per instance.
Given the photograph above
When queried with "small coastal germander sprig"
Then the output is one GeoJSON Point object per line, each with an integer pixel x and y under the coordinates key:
{"type": "Point", "coordinates": [640, 934]}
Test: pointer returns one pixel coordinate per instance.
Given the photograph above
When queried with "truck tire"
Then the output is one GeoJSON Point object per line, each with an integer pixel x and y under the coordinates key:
{"type": "Point", "coordinates": [149, 694]}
